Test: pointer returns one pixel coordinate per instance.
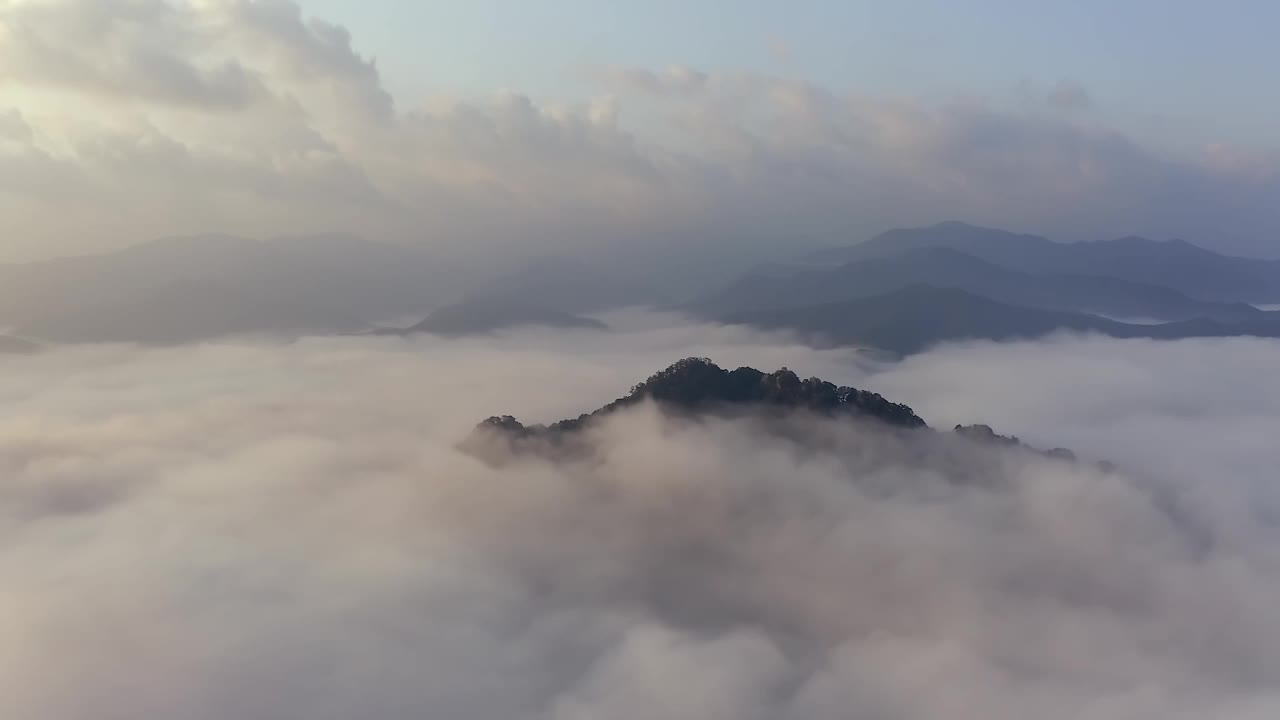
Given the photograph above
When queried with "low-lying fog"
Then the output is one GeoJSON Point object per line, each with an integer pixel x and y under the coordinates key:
{"type": "Point", "coordinates": [285, 531]}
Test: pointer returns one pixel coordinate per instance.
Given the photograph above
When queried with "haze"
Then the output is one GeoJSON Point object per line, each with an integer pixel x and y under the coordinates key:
{"type": "Point", "coordinates": [576, 360]}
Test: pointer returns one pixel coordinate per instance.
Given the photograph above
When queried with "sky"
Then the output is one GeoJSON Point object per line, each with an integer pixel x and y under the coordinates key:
{"type": "Point", "coordinates": [1189, 71]}
{"type": "Point", "coordinates": [491, 132]}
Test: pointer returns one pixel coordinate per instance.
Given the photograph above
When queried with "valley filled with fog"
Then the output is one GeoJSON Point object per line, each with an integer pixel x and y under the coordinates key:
{"type": "Point", "coordinates": [575, 360]}
{"type": "Point", "coordinates": [288, 530]}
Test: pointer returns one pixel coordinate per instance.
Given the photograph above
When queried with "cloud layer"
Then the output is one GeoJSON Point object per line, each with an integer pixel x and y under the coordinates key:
{"type": "Point", "coordinates": [286, 531]}
{"type": "Point", "coordinates": [248, 116]}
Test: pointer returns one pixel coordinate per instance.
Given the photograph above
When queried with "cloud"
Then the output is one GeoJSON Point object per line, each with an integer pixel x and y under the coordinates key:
{"type": "Point", "coordinates": [676, 80]}
{"type": "Point", "coordinates": [308, 50]}
{"type": "Point", "coordinates": [147, 51]}
{"type": "Point", "coordinates": [287, 531]}
{"type": "Point", "coordinates": [1220, 418]}
{"type": "Point", "coordinates": [271, 122]}
{"type": "Point", "coordinates": [13, 127]}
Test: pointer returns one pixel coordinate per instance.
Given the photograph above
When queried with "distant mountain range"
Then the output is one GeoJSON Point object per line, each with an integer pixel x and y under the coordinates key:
{"type": "Point", "coordinates": [944, 267]}
{"type": "Point", "coordinates": [1174, 264]}
{"type": "Point", "coordinates": [182, 289]}
{"type": "Point", "coordinates": [914, 318]}
{"type": "Point", "coordinates": [908, 289]}
{"type": "Point", "coordinates": [191, 288]}
{"type": "Point", "coordinates": [565, 285]}
{"type": "Point", "coordinates": [887, 292]}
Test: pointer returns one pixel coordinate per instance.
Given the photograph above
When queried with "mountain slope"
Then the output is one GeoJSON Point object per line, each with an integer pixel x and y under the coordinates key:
{"type": "Point", "coordinates": [482, 316]}
{"type": "Point", "coordinates": [10, 345]}
{"type": "Point", "coordinates": [1175, 264]}
{"type": "Point", "coordinates": [695, 388]}
{"type": "Point", "coordinates": [912, 319]}
{"type": "Point", "coordinates": [697, 384]}
{"type": "Point", "coordinates": [566, 285]}
{"type": "Point", "coordinates": [691, 387]}
{"type": "Point", "coordinates": [1018, 249]}
{"type": "Point", "coordinates": [943, 267]}
{"type": "Point", "coordinates": [180, 289]}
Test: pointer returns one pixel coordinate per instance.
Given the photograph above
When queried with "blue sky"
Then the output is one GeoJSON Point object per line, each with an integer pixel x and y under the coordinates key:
{"type": "Point", "coordinates": [1176, 71]}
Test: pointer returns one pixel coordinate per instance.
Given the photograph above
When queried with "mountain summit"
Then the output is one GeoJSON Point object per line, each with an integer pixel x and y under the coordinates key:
{"type": "Point", "coordinates": [697, 387]}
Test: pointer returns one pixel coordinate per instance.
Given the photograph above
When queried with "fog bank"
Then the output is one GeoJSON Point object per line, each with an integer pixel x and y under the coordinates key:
{"type": "Point", "coordinates": [286, 531]}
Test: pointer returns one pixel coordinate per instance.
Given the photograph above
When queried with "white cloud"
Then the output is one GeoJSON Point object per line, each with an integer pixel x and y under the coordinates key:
{"type": "Point", "coordinates": [259, 120]}
{"type": "Point", "coordinates": [133, 51]}
{"type": "Point", "coordinates": [287, 531]}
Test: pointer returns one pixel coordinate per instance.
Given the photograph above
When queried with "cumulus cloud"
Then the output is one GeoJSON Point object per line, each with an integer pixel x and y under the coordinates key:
{"type": "Point", "coordinates": [287, 531]}
{"type": "Point", "coordinates": [255, 118]}
{"type": "Point", "coordinates": [220, 55]}
{"type": "Point", "coordinates": [127, 50]}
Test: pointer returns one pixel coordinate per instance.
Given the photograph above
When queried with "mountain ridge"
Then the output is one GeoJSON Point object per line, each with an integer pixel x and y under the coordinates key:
{"type": "Point", "coordinates": [199, 286]}
{"type": "Point", "coordinates": [914, 318]}
{"type": "Point", "coordinates": [1177, 264]}
{"type": "Point", "coordinates": [697, 387]}
{"type": "Point", "coordinates": [476, 317]}
{"type": "Point", "coordinates": [779, 287]}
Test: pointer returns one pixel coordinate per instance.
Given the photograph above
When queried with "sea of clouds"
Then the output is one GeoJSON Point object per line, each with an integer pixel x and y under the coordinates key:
{"type": "Point", "coordinates": [286, 530]}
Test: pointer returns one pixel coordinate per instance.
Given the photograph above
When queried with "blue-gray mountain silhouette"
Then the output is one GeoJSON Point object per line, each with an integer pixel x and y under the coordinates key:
{"type": "Point", "coordinates": [1174, 264]}
{"type": "Point", "coordinates": [781, 287]}
{"type": "Point", "coordinates": [913, 319]}
{"type": "Point", "coordinates": [474, 317]}
{"type": "Point", "coordinates": [192, 288]}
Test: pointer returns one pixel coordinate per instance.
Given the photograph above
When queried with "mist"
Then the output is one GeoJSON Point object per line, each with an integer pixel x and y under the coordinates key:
{"type": "Point", "coordinates": [264, 270]}
{"type": "Point", "coordinates": [287, 530]}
